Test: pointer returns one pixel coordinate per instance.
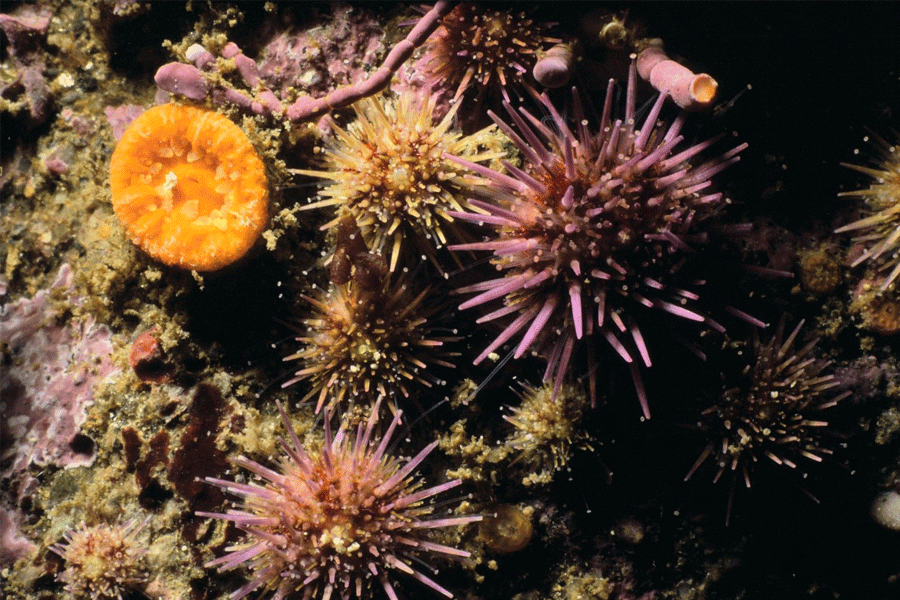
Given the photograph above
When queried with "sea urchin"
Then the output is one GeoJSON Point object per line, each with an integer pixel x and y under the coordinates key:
{"type": "Point", "coordinates": [103, 562]}
{"type": "Point", "coordinates": [365, 343]}
{"type": "Point", "coordinates": [482, 49]}
{"type": "Point", "coordinates": [879, 231]}
{"type": "Point", "coordinates": [329, 523]}
{"type": "Point", "coordinates": [593, 231]}
{"type": "Point", "coordinates": [771, 409]}
{"type": "Point", "coordinates": [387, 168]}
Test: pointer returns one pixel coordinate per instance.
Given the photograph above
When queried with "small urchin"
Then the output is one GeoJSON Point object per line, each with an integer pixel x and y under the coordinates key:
{"type": "Point", "coordinates": [482, 49]}
{"type": "Point", "coordinates": [771, 409]}
{"type": "Point", "coordinates": [878, 232]}
{"type": "Point", "coordinates": [387, 169]}
{"type": "Point", "coordinates": [329, 523]}
{"type": "Point", "coordinates": [367, 340]}
{"type": "Point", "coordinates": [593, 233]}
{"type": "Point", "coordinates": [546, 428]}
{"type": "Point", "coordinates": [103, 562]}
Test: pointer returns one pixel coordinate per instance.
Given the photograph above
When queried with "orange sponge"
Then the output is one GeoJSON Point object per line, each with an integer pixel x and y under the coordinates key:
{"type": "Point", "coordinates": [189, 187]}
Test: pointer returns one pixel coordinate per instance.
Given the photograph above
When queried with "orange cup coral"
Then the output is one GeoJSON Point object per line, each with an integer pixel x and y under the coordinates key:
{"type": "Point", "coordinates": [189, 187]}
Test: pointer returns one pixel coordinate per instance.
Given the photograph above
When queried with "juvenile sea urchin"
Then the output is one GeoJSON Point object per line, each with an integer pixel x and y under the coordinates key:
{"type": "Point", "coordinates": [483, 49]}
{"type": "Point", "coordinates": [388, 170]}
{"type": "Point", "coordinates": [770, 409]}
{"type": "Point", "coordinates": [545, 429]}
{"type": "Point", "coordinates": [103, 562]}
{"type": "Point", "coordinates": [330, 522]}
{"type": "Point", "coordinates": [879, 231]}
{"type": "Point", "coordinates": [593, 231]}
{"type": "Point", "coordinates": [365, 343]}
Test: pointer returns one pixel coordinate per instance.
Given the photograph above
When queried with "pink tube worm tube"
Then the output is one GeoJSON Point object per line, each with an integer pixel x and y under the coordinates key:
{"type": "Point", "coordinates": [688, 89]}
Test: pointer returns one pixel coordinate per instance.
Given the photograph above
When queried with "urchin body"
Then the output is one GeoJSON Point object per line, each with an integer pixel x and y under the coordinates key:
{"type": "Point", "coordinates": [593, 231]}
{"type": "Point", "coordinates": [104, 562]}
{"type": "Point", "coordinates": [360, 344]}
{"type": "Point", "coordinates": [388, 170]}
{"type": "Point", "coordinates": [331, 523]}
{"type": "Point", "coordinates": [545, 429]}
{"type": "Point", "coordinates": [482, 49]}
{"type": "Point", "coordinates": [878, 232]}
{"type": "Point", "coordinates": [772, 411]}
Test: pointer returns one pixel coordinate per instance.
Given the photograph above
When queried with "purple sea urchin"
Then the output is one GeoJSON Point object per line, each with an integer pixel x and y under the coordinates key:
{"type": "Point", "coordinates": [388, 170]}
{"type": "Point", "coordinates": [771, 409]}
{"type": "Point", "coordinates": [879, 231]}
{"type": "Point", "coordinates": [592, 231]}
{"type": "Point", "coordinates": [367, 343]}
{"type": "Point", "coordinates": [329, 523]}
{"type": "Point", "coordinates": [103, 562]}
{"type": "Point", "coordinates": [482, 48]}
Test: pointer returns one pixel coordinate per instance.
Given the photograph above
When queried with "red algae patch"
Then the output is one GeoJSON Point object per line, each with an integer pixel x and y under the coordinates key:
{"type": "Point", "coordinates": [189, 187]}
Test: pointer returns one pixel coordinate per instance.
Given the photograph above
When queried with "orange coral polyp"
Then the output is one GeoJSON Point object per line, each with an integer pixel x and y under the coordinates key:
{"type": "Point", "coordinates": [189, 187]}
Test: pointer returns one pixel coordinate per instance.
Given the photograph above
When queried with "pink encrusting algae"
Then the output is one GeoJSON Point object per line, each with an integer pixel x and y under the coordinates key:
{"type": "Point", "coordinates": [329, 523]}
{"type": "Point", "coordinates": [593, 231]}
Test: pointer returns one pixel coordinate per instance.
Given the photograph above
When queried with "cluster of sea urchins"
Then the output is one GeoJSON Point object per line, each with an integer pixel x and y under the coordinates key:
{"type": "Point", "coordinates": [368, 336]}
{"type": "Point", "coordinates": [592, 231]}
{"type": "Point", "coordinates": [333, 522]}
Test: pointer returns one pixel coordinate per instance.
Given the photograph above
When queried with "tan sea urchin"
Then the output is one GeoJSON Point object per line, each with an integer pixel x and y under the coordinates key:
{"type": "Point", "coordinates": [879, 230]}
{"type": "Point", "coordinates": [387, 168]}
{"type": "Point", "coordinates": [545, 429]}
{"type": "Point", "coordinates": [103, 562]}
{"type": "Point", "coordinates": [365, 343]}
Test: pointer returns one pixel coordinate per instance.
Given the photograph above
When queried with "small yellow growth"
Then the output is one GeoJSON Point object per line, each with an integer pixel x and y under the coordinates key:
{"type": "Point", "coordinates": [575, 584]}
{"type": "Point", "coordinates": [189, 187]}
{"type": "Point", "coordinates": [478, 457]}
{"type": "Point", "coordinates": [880, 312]}
{"type": "Point", "coordinates": [545, 429]}
{"type": "Point", "coordinates": [388, 169]}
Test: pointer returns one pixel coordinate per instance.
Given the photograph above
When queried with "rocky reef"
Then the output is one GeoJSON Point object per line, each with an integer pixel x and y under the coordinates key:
{"type": "Point", "coordinates": [586, 303]}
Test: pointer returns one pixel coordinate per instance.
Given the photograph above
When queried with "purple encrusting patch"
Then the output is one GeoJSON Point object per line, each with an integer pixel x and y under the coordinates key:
{"type": "Point", "coordinates": [594, 229]}
{"type": "Point", "coordinates": [50, 384]}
